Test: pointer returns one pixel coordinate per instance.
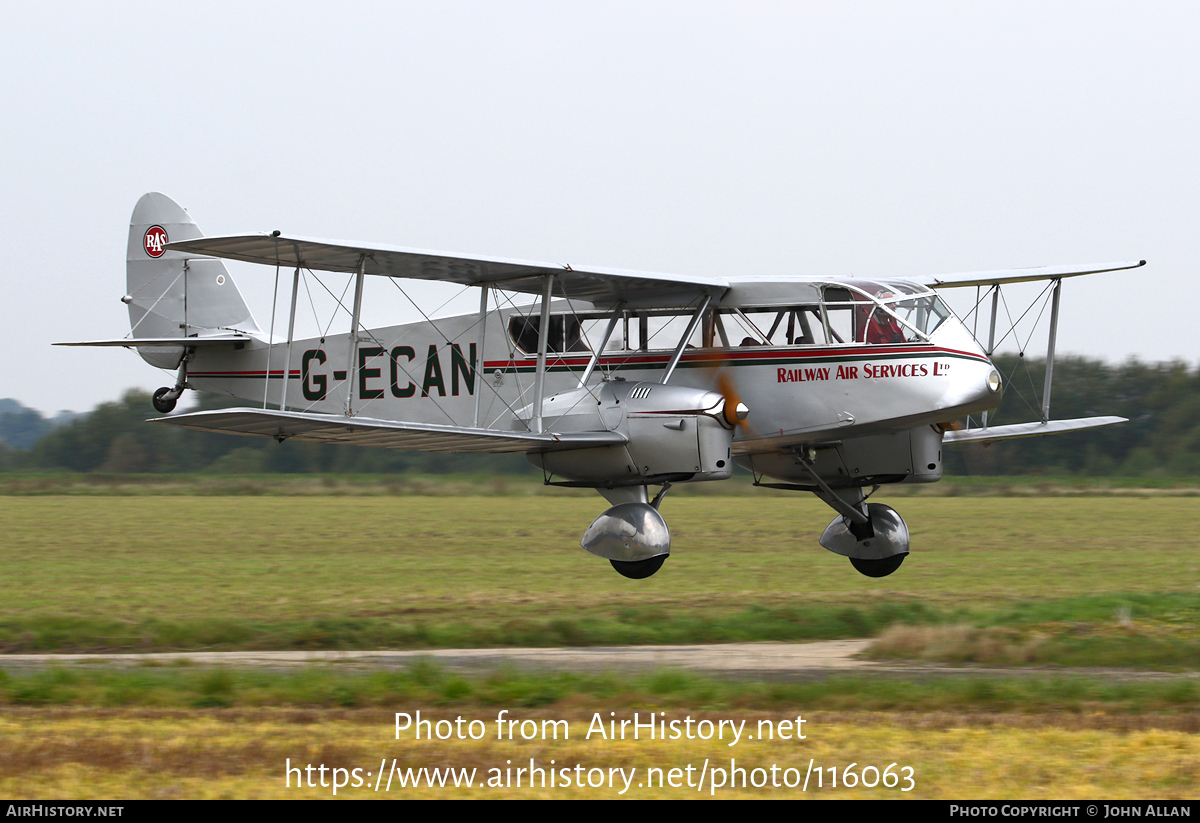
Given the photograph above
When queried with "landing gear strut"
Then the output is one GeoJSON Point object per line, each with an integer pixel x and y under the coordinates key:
{"type": "Point", "coordinates": [164, 399]}
{"type": "Point", "coordinates": [873, 536]}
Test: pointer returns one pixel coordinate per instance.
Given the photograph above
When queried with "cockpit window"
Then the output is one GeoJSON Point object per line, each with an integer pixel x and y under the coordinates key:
{"type": "Point", "coordinates": [858, 313]}
{"type": "Point", "coordinates": [881, 314]}
{"type": "Point", "coordinates": [923, 313]}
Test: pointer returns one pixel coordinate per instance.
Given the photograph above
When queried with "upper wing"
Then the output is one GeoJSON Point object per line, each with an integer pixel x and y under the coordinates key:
{"type": "Point", "coordinates": [390, 434]}
{"type": "Point", "coordinates": [138, 342]}
{"type": "Point", "coordinates": [602, 287]}
{"type": "Point", "coordinates": [993, 433]}
{"type": "Point", "coordinates": [994, 278]}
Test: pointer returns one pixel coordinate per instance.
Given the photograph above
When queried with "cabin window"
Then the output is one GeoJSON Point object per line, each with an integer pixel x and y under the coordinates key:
{"type": "Point", "coordinates": [846, 316]}
{"type": "Point", "coordinates": [664, 330]}
{"type": "Point", "coordinates": [565, 334]}
{"type": "Point", "coordinates": [775, 326]}
{"type": "Point", "coordinates": [644, 330]}
{"type": "Point", "coordinates": [838, 310]}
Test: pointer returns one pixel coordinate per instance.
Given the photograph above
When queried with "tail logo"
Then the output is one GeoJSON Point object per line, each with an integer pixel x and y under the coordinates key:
{"type": "Point", "coordinates": [155, 239]}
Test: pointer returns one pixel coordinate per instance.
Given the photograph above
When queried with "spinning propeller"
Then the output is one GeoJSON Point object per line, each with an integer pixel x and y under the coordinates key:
{"type": "Point", "coordinates": [735, 410]}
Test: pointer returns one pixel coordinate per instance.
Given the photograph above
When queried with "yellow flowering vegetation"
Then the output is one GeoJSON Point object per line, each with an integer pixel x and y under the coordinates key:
{"type": "Point", "coordinates": [74, 753]}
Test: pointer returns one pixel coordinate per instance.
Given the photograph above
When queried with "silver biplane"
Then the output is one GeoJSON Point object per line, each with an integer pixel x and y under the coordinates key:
{"type": "Point", "coordinates": [614, 380]}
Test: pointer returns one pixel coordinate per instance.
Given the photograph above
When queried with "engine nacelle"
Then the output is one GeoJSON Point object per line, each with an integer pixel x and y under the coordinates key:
{"type": "Point", "coordinates": [675, 433]}
{"type": "Point", "coordinates": [912, 456]}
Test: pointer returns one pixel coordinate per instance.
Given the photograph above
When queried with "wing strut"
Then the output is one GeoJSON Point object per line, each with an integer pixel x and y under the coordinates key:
{"type": "Point", "coordinates": [287, 357]}
{"type": "Point", "coordinates": [1050, 351]}
{"type": "Point", "coordinates": [687, 335]}
{"type": "Point", "coordinates": [352, 356]}
{"type": "Point", "coordinates": [612, 324]}
{"type": "Point", "coordinates": [543, 343]}
{"type": "Point", "coordinates": [478, 364]}
{"type": "Point", "coordinates": [992, 333]}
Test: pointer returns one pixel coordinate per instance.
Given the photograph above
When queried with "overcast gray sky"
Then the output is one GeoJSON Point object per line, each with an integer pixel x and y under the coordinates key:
{"type": "Point", "coordinates": [723, 139]}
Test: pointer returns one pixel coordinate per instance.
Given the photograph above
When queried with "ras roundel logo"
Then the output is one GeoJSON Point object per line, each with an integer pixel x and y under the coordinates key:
{"type": "Point", "coordinates": [155, 239]}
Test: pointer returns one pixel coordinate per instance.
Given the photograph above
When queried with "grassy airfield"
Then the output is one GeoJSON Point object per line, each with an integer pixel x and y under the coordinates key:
{"type": "Point", "coordinates": [1080, 579]}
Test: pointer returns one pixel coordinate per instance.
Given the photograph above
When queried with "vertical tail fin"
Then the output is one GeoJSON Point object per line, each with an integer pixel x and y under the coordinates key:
{"type": "Point", "coordinates": [172, 294]}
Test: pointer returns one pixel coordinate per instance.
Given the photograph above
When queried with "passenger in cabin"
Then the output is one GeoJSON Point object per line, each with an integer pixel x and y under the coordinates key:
{"type": "Point", "coordinates": [574, 334]}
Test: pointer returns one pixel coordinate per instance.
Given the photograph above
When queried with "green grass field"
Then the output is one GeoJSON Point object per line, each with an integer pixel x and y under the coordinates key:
{"type": "Point", "coordinates": [1088, 580]}
{"type": "Point", "coordinates": [1164, 702]}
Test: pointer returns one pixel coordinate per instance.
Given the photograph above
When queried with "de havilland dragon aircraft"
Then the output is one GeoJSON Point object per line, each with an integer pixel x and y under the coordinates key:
{"type": "Point", "coordinates": [621, 381]}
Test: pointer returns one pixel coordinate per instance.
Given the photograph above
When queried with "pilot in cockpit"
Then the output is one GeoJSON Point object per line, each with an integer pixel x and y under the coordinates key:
{"type": "Point", "coordinates": [876, 326]}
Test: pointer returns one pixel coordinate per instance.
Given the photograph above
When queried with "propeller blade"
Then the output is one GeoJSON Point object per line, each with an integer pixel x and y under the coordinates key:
{"type": "Point", "coordinates": [735, 410]}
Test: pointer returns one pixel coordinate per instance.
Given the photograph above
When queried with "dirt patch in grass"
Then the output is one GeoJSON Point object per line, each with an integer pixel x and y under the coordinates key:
{"type": "Point", "coordinates": [995, 645]}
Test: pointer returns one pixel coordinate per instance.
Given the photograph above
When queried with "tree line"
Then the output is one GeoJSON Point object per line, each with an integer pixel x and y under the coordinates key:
{"type": "Point", "coordinates": [1162, 437]}
{"type": "Point", "coordinates": [1161, 401]}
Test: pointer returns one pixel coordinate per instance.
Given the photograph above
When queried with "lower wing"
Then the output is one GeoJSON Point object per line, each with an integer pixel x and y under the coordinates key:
{"type": "Point", "coordinates": [994, 433]}
{"type": "Point", "coordinates": [388, 434]}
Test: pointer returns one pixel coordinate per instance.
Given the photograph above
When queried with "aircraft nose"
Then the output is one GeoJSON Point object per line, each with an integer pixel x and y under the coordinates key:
{"type": "Point", "coordinates": [990, 389]}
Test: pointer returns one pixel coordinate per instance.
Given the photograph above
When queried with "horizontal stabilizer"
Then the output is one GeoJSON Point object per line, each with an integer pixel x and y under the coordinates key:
{"type": "Point", "coordinates": [994, 433]}
{"type": "Point", "coordinates": [1000, 278]}
{"type": "Point", "coordinates": [388, 434]}
{"type": "Point", "coordinates": [140, 342]}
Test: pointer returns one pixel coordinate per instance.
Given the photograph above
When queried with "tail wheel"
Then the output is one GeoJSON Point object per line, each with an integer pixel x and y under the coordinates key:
{"type": "Point", "coordinates": [878, 568]}
{"type": "Point", "coordinates": [639, 569]}
{"type": "Point", "coordinates": [162, 403]}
